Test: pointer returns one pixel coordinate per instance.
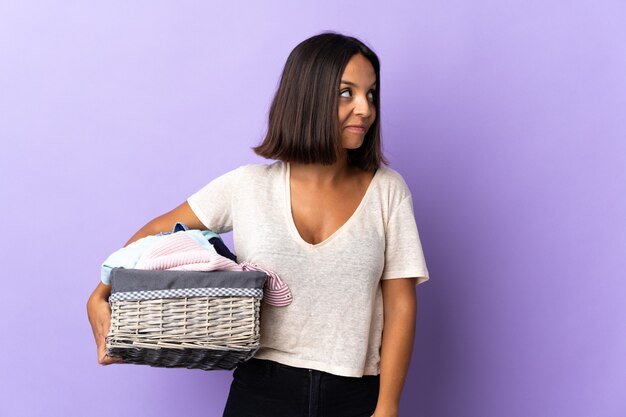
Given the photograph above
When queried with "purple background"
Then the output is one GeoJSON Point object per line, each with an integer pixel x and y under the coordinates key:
{"type": "Point", "coordinates": [506, 118]}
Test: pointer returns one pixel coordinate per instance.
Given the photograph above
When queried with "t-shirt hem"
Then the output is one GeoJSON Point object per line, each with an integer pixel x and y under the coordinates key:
{"type": "Point", "coordinates": [320, 366]}
{"type": "Point", "coordinates": [420, 275]}
{"type": "Point", "coordinates": [195, 207]}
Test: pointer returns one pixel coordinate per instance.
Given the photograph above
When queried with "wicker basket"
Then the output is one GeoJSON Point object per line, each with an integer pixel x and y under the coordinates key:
{"type": "Point", "coordinates": [184, 319]}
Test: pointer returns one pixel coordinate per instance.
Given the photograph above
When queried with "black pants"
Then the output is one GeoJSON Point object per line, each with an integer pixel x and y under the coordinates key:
{"type": "Point", "coordinates": [263, 388]}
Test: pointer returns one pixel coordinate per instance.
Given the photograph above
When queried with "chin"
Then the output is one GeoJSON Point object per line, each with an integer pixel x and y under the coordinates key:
{"type": "Point", "coordinates": [352, 144]}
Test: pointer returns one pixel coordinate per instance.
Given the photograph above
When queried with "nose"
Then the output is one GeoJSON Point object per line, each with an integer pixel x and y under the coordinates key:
{"type": "Point", "coordinates": [362, 107]}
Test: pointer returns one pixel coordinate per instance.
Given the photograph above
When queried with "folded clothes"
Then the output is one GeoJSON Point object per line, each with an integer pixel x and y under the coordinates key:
{"type": "Point", "coordinates": [180, 252]}
{"type": "Point", "coordinates": [128, 256]}
{"type": "Point", "coordinates": [190, 250]}
{"type": "Point", "coordinates": [216, 241]}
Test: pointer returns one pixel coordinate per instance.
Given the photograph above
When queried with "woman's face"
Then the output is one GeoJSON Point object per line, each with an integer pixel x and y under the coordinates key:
{"type": "Point", "coordinates": [356, 101]}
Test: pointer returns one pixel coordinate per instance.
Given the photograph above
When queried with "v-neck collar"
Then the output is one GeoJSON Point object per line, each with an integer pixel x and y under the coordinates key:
{"type": "Point", "coordinates": [291, 223]}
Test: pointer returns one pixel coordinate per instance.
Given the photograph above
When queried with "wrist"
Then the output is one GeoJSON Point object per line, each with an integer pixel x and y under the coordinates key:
{"type": "Point", "coordinates": [384, 413]}
{"type": "Point", "coordinates": [387, 409]}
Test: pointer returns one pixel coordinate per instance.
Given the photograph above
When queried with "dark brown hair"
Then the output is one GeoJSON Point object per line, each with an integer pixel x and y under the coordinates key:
{"type": "Point", "coordinates": [303, 125]}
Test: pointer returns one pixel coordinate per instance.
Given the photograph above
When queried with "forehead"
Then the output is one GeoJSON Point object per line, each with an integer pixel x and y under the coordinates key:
{"type": "Point", "coordinates": [360, 70]}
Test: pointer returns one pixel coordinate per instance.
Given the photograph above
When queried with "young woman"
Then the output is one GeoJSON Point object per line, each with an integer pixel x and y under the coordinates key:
{"type": "Point", "coordinates": [338, 227]}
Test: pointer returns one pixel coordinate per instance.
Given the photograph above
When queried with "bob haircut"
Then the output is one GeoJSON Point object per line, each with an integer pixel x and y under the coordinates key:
{"type": "Point", "coordinates": [303, 118]}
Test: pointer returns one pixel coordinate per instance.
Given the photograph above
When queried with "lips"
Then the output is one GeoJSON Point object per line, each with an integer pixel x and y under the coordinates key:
{"type": "Point", "coordinates": [356, 129]}
{"type": "Point", "coordinates": [360, 129]}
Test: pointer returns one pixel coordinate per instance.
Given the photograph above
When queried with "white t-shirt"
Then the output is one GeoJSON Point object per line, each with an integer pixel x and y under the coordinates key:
{"type": "Point", "coordinates": [335, 321]}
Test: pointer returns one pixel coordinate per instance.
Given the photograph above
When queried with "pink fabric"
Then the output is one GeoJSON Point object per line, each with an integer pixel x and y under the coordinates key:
{"type": "Point", "coordinates": [276, 291]}
{"type": "Point", "coordinates": [180, 252]}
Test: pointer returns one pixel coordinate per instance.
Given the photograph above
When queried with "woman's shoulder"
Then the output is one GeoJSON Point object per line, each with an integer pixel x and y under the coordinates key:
{"type": "Point", "coordinates": [260, 171]}
{"type": "Point", "coordinates": [393, 181]}
{"type": "Point", "coordinates": [253, 175]}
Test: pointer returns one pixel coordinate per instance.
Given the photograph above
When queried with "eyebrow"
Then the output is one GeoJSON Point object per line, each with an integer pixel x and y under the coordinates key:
{"type": "Point", "coordinates": [351, 83]}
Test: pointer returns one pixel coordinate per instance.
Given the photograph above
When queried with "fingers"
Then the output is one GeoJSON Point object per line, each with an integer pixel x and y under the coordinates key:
{"type": "Point", "coordinates": [103, 357]}
{"type": "Point", "coordinates": [108, 360]}
{"type": "Point", "coordinates": [99, 314]}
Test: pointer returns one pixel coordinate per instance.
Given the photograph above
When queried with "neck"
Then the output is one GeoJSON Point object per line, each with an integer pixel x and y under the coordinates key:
{"type": "Point", "coordinates": [322, 174]}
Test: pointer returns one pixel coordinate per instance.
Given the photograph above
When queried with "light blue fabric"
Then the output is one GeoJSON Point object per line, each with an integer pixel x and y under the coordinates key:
{"type": "Point", "coordinates": [202, 240]}
{"type": "Point", "coordinates": [127, 257]}
{"type": "Point", "coordinates": [202, 237]}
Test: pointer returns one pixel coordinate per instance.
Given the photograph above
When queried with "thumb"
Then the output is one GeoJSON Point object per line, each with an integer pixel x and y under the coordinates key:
{"type": "Point", "coordinates": [105, 359]}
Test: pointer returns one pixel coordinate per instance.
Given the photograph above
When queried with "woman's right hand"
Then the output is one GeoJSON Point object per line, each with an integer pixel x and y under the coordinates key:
{"type": "Point", "coordinates": [98, 308]}
{"type": "Point", "coordinates": [99, 313]}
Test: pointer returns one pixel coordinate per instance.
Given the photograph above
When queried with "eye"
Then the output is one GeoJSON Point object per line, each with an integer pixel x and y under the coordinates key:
{"type": "Point", "coordinates": [347, 90]}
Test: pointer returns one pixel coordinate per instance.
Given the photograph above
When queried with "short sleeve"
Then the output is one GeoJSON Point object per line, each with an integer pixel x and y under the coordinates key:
{"type": "Point", "coordinates": [404, 257]}
{"type": "Point", "coordinates": [212, 204]}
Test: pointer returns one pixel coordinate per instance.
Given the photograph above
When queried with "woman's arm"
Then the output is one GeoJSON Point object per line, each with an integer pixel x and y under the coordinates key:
{"type": "Point", "coordinates": [98, 309]}
{"type": "Point", "coordinates": [400, 310]}
{"type": "Point", "coordinates": [165, 222]}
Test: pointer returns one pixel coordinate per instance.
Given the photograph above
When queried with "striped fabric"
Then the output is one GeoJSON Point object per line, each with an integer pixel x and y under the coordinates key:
{"type": "Point", "coordinates": [179, 252]}
{"type": "Point", "coordinates": [276, 291]}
